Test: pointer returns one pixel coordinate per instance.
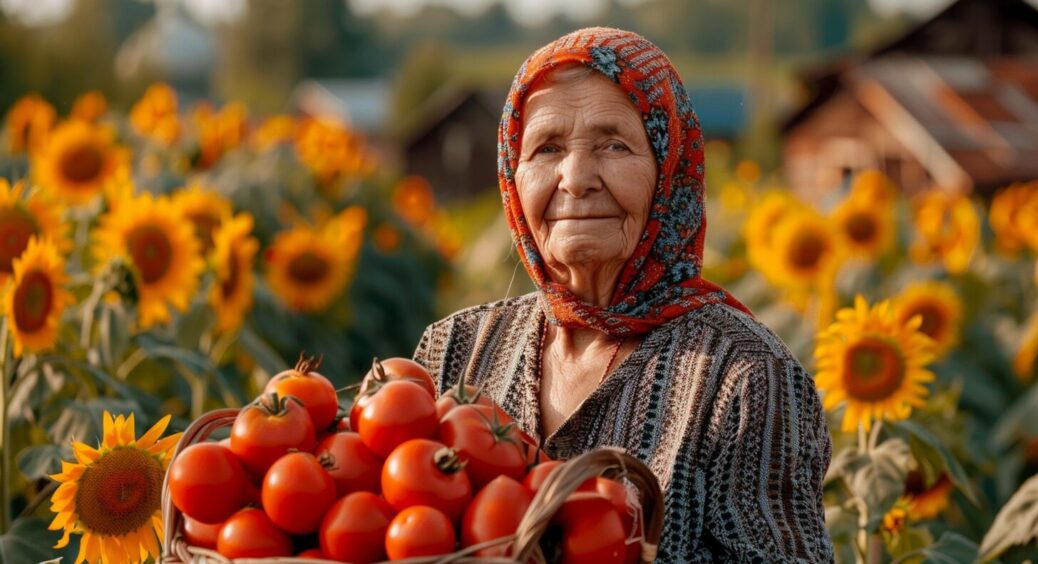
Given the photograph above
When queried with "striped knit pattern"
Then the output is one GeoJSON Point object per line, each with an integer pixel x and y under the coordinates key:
{"type": "Point", "coordinates": [713, 402]}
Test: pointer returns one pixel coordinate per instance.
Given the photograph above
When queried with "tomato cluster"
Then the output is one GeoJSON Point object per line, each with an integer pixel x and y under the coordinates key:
{"type": "Point", "coordinates": [405, 474]}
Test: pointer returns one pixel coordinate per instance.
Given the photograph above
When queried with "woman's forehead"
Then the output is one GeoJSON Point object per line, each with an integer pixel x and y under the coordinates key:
{"type": "Point", "coordinates": [595, 101]}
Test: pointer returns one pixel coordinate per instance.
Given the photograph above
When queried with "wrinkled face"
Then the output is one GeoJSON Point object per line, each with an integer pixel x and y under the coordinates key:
{"type": "Point", "coordinates": [586, 173]}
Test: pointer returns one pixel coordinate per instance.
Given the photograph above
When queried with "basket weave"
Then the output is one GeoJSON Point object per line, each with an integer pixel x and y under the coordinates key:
{"type": "Point", "coordinates": [525, 543]}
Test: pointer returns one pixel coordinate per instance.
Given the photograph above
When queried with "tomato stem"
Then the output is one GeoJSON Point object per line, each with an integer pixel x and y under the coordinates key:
{"type": "Point", "coordinates": [448, 461]}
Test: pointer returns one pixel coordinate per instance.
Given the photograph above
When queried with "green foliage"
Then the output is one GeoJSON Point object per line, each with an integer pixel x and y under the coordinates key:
{"type": "Point", "coordinates": [1015, 524]}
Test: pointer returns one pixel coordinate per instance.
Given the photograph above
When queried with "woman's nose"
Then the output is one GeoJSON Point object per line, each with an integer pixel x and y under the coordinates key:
{"type": "Point", "coordinates": [579, 173]}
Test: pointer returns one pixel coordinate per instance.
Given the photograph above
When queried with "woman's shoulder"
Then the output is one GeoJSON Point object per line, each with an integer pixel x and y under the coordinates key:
{"type": "Point", "coordinates": [733, 328]}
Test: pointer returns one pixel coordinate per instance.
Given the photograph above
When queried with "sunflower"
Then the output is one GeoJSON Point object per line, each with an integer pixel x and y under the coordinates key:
{"type": "Point", "coordinates": [748, 172]}
{"type": "Point", "coordinates": [413, 200]}
{"type": "Point", "coordinates": [28, 122]}
{"type": "Point", "coordinates": [760, 225]}
{"type": "Point", "coordinates": [873, 364]}
{"type": "Point", "coordinates": [940, 308]}
{"type": "Point", "coordinates": [205, 209]}
{"type": "Point", "coordinates": [1027, 351]}
{"type": "Point", "coordinates": [233, 255]}
{"type": "Point", "coordinates": [90, 106]}
{"type": "Point", "coordinates": [36, 299]}
{"type": "Point", "coordinates": [805, 252]}
{"type": "Point", "coordinates": [22, 219]}
{"type": "Point", "coordinates": [926, 501]}
{"type": "Point", "coordinates": [155, 115]}
{"type": "Point", "coordinates": [947, 228]}
{"type": "Point", "coordinates": [871, 185]}
{"type": "Point", "coordinates": [895, 518]}
{"type": "Point", "coordinates": [307, 268]}
{"type": "Point", "coordinates": [159, 242]}
{"type": "Point", "coordinates": [274, 131]}
{"type": "Point", "coordinates": [112, 494]}
{"type": "Point", "coordinates": [867, 228]}
{"type": "Point", "coordinates": [1014, 217]}
{"type": "Point", "coordinates": [329, 149]}
{"type": "Point", "coordinates": [77, 161]}
{"type": "Point", "coordinates": [218, 132]}
{"type": "Point", "coordinates": [386, 238]}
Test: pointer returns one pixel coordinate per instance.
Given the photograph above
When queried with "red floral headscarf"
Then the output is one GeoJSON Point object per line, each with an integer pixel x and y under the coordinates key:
{"type": "Point", "coordinates": [661, 280]}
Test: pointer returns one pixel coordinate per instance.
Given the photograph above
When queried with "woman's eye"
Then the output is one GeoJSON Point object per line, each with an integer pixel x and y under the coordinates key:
{"type": "Point", "coordinates": [548, 149]}
{"type": "Point", "coordinates": [616, 146]}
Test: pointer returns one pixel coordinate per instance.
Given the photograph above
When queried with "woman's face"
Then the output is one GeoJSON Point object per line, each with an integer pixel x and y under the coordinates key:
{"type": "Point", "coordinates": [586, 173]}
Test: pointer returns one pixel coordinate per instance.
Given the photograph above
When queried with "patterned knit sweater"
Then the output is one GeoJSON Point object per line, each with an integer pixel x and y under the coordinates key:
{"type": "Point", "coordinates": [713, 402]}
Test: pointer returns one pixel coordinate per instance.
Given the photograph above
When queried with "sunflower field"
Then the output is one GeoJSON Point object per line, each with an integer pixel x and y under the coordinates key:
{"type": "Point", "coordinates": [161, 263]}
{"type": "Point", "coordinates": [166, 262]}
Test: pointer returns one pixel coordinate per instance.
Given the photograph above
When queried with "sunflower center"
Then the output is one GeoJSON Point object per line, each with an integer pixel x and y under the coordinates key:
{"type": "Point", "coordinates": [875, 369]}
{"type": "Point", "coordinates": [861, 227]}
{"type": "Point", "coordinates": [230, 284]}
{"type": "Point", "coordinates": [205, 224]}
{"type": "Point", "coordinates": [16, 227]}
{"type": "Point", "coordinates": [119, 493]}
{"type": "Point", "coordinates": [933, 320]}
{"type": "Point", "coordinates": [82, 164]}
{"type": "Point", "coordinates": [32, 301]}
{"type": "Point", "coordinates": [806, 250]}
{"type": "Point", "coordinates": [151, 251]}
{"type": "Point", "coordinates": [308, 268]}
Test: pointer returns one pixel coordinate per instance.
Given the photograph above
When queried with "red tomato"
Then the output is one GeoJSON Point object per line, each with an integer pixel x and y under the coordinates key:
{"type": "Point", "coordinates": [207, 482]}
{"type": "Point", "coordinates": [495, 512]}
{"type": "Point", "coordinates": [419, 531]}
{"type": "Point", "coordinates": [296, 492]}
{"type": "Point", "coordinates": [461, 394]}
{"type": "Point", "coordinates": [424, 472]}
{"type": "Point", "coordinates": [618, 495]}
{"type": "Point", "coordinates": [352, 465]}
{"type": "Point", "coordinates": [354, 529]}
{"type": "Point", "coordinates": [397, 412]}
{"type": "Point", "coordinates": [312, 553]}
{"type": "Point", "coordinates": [399, 368]}
{"type": "Point", "coordinates": [592, 531]}
{"type": "Point", "coordinates": [268, 428]}
{"type": "Point", "coordinates": [488, 448]}
{"type": "Point", "coordinates": [538, 474]}
{"type": "Point", "coordinates": [314, 390]}
{"type": "Point", "coordinates": [250, 532]}
{"type": "Point", "coordinates": [200, 534]}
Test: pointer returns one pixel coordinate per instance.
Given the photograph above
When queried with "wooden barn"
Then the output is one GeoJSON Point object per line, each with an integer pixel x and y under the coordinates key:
{"type": "Point", "coordinates": [952, 104]}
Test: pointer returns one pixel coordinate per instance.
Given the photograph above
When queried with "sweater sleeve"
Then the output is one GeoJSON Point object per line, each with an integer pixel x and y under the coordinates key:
{"type": "Point", "coordinates": [762, 471]}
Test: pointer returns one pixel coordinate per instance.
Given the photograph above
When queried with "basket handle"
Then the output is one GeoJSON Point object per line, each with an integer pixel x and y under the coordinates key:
{"type": "Point", "coordinates": [564, 480]}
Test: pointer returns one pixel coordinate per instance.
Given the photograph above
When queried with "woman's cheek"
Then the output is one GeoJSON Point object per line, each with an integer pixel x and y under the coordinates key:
{"type": "Point", "coordinates": [535, 190]}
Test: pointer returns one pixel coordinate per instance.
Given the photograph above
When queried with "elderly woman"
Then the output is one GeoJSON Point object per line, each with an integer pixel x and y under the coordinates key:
{"type": "Point", "coordinates": [625, 344]}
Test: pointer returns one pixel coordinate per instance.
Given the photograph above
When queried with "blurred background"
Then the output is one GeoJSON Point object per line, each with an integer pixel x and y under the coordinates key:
{"type": "Point", "coordinates": [336, 160]}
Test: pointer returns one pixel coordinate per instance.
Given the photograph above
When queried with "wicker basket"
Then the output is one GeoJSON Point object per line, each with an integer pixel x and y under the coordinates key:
{"type": "Point", "coordinates": [563, 481]}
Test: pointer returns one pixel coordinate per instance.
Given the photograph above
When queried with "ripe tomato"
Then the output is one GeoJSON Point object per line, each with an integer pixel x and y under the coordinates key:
{"type": "Point", "coordinates": [495, 512]}
{"type": "Point", "coordinates": [315, 391]}
{"type": "Point", "coordinates": [592, 532]}
{"type": "Point", "coordinates": [538, 474]}
{"type": "Point", "coordinates": [354, 529]}
{"type": "Point", "coordinates": [268, 428]}
{"type": "Point", "coordinates": [399, 368]}
{"type": "Point", "coordinates": [200, 534]}
{"type": "Point", "coordinates": [312, 553]}
{"type": "Point", "coordinates": [488, 448]}
{"type": "Point", "coordinates": [419, 531]}
{"type": "Point", "coordinates": [207, 482]}
{"type": "Point", "coordinates": [353, 466]}
{"type": "Point", "coordinates": [397, 412]}
{"type": "Point", "coordinates": [618, 495]}
{"type": "Point", "coordinates": [250, 532]}
{"type": "Point", "coordinates": [296, 492]}
{"type": "Point", "coordinates": [424, 472]}
{"type": "Point", "coordinates": [461, 394]}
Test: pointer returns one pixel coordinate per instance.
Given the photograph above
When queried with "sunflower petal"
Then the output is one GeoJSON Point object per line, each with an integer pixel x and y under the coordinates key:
{"type": "Point", "coordinates": [85, 453]}
{"type": "Point", "coordinates": [152, 435]}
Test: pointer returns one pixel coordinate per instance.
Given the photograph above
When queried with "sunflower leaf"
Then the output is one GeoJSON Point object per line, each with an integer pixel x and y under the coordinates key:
{"type": "Point", "coordinates": [951, 548]}
{"type": "Point", "coordinates": [265, 356]}
{"type": "Point", "coordinates": [28, 541]}
{"type": "Point", "coordinates": [882, 480]}
{"type": "Point", "coordinates": [924, 443]}
{"type": "Point", "coordinates": [1016, 523]}
{"type": "Point", "coordinates": [39, 461]}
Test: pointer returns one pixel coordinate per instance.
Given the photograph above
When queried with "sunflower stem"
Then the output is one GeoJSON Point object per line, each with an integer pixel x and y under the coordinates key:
{"type": "Point", "coordinates": [874, 435]}
{"type": "Point", "coordinates": [5, 457]}
{"type": "Point", "coordinates": [863, 443]}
